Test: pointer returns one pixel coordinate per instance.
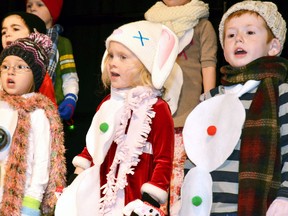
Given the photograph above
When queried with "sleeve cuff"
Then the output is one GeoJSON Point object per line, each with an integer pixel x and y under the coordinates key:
{"type": "Point", "coordinates": [30, 206]}
{"type": "Point", "coordinates": [155, 192]}
{"type": "Point", "coordinates": [81, 162]}
{"type": "Point", "coordinates": [25, 211]}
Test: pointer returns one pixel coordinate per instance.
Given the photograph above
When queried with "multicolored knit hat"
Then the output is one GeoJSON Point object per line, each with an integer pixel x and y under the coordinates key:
{"type": "Point", "coordinates": [267, 10]}
{"type": "Point", "coordinates": [32, 21]}
{"type": "Point", "coordinates": [154, 44]}
{"type": "Point", "coordinates": [54, 7]}
{"type": "Point", "coordinates": [34, 51]}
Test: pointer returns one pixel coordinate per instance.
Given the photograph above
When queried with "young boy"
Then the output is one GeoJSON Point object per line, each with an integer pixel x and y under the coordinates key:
{"type": "Point", "coordinates": [252, 179]}
{"type": "Point", "coordinates": [32, 162]}
{"type": "Point", "coordinates": [61, 68]}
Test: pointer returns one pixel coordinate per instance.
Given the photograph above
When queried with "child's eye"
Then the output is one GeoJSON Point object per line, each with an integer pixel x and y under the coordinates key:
{"type": "Point", "coordinates": [110, 56]}
{"type": "Point", "coordinates": [40, 4]}
{"type": "Point", "coordinates": [230, 35]}
{"type": "Point", "coordinates": [4, 67]}
{"type": "Point", "coordinates": [123, 57]}
{"type": "Point", "coordinates": [21, 67]}
{"type": "Point", "coordinates": [16, 29]}
{"type": "Point", "coordinates": [3, 32]}
{"type": "Point", "coordinates": [250, 32]}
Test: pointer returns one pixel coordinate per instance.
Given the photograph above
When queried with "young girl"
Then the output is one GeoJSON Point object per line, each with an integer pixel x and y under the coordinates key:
{"type": "Point", "coordinates": [61, 68]}
{"type": "Point", "coordinates": [131, 136]}
{"type": "Point", "coordinates": [32, 160]}
{"type": "Point", "coordinates": [17, 25]}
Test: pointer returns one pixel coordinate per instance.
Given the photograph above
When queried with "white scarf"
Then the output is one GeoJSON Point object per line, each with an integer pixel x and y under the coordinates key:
{"type": "Point", "coordinates": [137, 106]}
{"type": "Point", "coordinates": [179, 19]}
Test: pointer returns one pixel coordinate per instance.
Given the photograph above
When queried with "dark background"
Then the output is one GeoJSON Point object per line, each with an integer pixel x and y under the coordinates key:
{"type": "Point", "coordinates": [87, 24]}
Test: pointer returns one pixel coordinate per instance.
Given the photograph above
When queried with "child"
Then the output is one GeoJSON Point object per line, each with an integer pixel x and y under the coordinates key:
{"type": "Point", "coordinates": [245, 146]}
{"type": "Point", "coordinates": [197, 59]}
{"type": "Point", "coordinates": [61, 68]}
{"type": "Point", "coordinates": [32, 158]}
{"type": "Point", "coordinates": [131, 136]}
{"type": "Point", "coordinates": [17, 25]}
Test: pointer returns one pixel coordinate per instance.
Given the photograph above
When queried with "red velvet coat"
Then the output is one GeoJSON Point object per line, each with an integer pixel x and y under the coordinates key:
{"type": "Point", "coordinates": [153, 169]}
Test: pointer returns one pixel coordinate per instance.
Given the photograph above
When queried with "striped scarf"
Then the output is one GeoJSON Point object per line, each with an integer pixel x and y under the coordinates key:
{"type": "Point", "coordinates": [259, 165]}
{"type": "Point", "coordinates": [53, 33]}
{"type": "Point", "coordinates": [15, 178]}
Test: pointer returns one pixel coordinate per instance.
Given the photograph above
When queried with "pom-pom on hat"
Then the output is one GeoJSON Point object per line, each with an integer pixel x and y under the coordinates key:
{"type": "Point", "coordinates": [154, 44]}
{"type": "Point", "coordinates": [32, 21]}
{"type": "Point", "coordinates": [267, 10]}
{"type": "Point", "coordinates": [54, 7]}
{"type": "Point", "coordinates": [34, 50]}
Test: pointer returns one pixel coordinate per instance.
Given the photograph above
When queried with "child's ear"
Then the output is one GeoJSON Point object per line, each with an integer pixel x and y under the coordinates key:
{"type": "Point", "coordinates": [275, 47]}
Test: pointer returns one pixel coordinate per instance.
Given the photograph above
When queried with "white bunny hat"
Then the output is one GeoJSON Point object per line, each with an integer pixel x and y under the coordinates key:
{"type": "Point", "coordinates": [154, 44]}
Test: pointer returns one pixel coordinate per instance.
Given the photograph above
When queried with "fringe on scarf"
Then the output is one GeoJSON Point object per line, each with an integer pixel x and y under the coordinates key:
{"type": "Point", "coordinates": [14, 182]}
{"type": "Point", "coordinates": [138, 108]}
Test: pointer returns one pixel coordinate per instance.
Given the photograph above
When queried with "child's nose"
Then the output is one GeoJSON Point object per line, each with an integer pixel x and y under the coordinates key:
{"type": "Point", "coordinates": [112, 62]}
{"type": "Point", "coordinates": [239, 38]}
{"type": "Point", "coordinates": [7, 34]}
{"type": "Point", "coordinates": [32, 7]}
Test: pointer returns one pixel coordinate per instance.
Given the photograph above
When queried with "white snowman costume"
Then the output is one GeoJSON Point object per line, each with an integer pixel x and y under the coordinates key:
{"type": "Point", "coordinates": [210, 134]}
{"type": "Point", "coordinates": [8, 123]}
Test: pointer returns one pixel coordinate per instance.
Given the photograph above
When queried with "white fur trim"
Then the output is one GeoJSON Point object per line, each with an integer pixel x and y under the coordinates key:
{"type": "Point", "coordinates": [81, 162]}
{"type": "Point", "coordinates": [157, 193]}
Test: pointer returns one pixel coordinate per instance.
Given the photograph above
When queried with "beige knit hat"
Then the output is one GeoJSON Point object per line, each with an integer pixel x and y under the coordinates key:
{"type": "Point", "coordinates": [267, 10]}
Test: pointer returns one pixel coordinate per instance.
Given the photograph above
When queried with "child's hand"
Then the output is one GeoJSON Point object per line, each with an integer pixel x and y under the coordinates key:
{"type": "Point", "coordinates": [140, 208]}
{"type": "Point", "coordinates": [67, 107]}
{"type": "Point", "coordinates": [279, 207]}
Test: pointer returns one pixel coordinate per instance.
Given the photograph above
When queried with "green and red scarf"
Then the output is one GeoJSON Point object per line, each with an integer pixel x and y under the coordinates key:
{"type": "Point", "coordinates": [260, 157]}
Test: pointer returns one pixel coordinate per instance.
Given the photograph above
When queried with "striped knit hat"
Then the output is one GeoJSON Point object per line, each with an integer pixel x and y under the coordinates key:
{"type": "Point", "coordinates": [34, 51]}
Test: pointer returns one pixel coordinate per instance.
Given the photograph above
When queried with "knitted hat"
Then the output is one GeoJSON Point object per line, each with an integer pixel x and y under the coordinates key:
{"type": "Point", "coordinates": [32, 21]}
{"type": "Point", "coordinates": [154, 44]}
{"type": "Point", "coordinates": [34, 51]}
{"type": "Point", "coordinates": [267, 10]}
{"type": "Point", "coordinates": [54, 7]}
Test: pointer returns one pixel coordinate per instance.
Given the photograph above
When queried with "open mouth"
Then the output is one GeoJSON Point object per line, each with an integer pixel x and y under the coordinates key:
{"type": "Point", "coordinates": [240, 51]}
{"type": "Point", "coordinates": [8, 43]}
{"type": "Point", "coordinates": [10, 81]}
{"type": "Point", "coordinates": [113, 74]}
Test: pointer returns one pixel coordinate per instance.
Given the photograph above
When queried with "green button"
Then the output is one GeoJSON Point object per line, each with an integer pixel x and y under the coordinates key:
{"type": "Point", "coordinates": [196, 201]}
{"type": "Point", "coordinates": [104, 127]}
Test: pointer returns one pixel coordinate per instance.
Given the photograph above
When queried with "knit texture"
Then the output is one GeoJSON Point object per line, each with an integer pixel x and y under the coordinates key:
{"type": "Point", "coordinates": [34, 51]}
{"type": "Point", "coordinates": [179, 18]}
{"type": "Point", "coordinates": [14, 182]}
{"type": "Point", "coordinates": [267, 10]}
{"type": "Point", "coordinates": [259, 169]}
{"type": "Point", "coordinates": [54, 7]}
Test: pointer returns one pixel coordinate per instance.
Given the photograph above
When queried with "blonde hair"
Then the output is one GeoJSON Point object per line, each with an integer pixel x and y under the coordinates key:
{"type": "Point", "coordinates": [144, 76]}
